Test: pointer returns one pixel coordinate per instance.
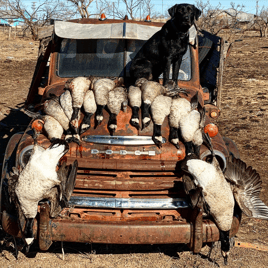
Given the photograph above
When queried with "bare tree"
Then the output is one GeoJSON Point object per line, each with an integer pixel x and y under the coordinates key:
{"type": "Point", "coordinates": [132, 8]}
{"type": "Point", "coordinates": [82, 7]}
{"type": "Point", "coordinates": [210, 19]}
{"type": "Point", "coordinates": [261, 22]}
{"type": "Point", "coordinates": [37, 16]}
{"type": "Point", "coordinates": [216, 21]}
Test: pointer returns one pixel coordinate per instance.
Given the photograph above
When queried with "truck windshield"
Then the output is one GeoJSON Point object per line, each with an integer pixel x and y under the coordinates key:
{"type": "Point", "coordinates": [105, 58]}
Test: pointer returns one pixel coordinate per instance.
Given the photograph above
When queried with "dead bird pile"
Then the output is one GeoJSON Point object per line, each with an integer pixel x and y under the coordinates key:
{"type": "Point", "coordinates": [62, 114]}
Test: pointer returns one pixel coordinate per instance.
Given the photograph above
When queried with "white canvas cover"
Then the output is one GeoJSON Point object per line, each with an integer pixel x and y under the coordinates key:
{"type": "Point", "coordinates": [124, 30]}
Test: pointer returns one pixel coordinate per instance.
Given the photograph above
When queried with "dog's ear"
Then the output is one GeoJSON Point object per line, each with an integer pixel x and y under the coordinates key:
{"type": "Point", "coordinates": [172, 11]}
{"type": "Point", "coordinates": [197, 13]}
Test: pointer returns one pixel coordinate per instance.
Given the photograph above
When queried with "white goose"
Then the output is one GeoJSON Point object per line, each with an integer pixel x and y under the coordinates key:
{"type": "Point", "coordinates": [191, 127]}
{"type": "Point", "coordinates": [78, 88]}
{"type": "Point", "coordinates": [90, 108]}
{"type": "Point", "coordinates": [160, 110]}
{"type": "Point", "coordinates": [219, 190]}
{"type": "Point", "coordinates": [150, 90]}
{"type": "Point", "coordinates": [53, 108]}
{"type": "Point", "coordinates": [52, 127]}
{"type": "Point", "coordinates": [101, 89]}
{"type": "Point", "coordinates": [134, 96]}
{"type": "Point", "coordinates": [116, 98]}
{"type": "Point", "coordinates": [180, 107]}
{"type": "Point", "coordinates": [37, 181]}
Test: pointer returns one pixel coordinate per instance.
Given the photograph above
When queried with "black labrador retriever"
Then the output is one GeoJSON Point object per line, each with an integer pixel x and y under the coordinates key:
{"type": "Point", "coordinates": [165, 47]}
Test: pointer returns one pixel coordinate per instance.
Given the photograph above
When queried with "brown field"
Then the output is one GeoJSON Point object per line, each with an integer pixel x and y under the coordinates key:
{"type": "Point", "coordinates": [244, 118]}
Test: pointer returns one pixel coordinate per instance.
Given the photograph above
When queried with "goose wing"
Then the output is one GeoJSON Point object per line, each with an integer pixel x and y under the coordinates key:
{"type": "Point", "coordinates": [13, 177]}
{"type": "Point", "coordinates": [246, 188]}
{"type": "Point", "coordinates": [194, 192]}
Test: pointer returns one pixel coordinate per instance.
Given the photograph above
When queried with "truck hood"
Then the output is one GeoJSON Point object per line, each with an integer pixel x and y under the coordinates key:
{"type": "Point", "coordinates": [127, 142]}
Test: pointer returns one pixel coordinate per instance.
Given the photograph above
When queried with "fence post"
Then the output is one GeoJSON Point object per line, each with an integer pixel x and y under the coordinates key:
{"type": "Point", "coordinates": [9, 33]}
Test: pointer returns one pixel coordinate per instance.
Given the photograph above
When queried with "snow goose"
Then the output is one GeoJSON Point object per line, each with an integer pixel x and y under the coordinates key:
{"type": "Point", "coordinates": [37, 181]}
{"type": "Point", "coordinates": [101, 88]}
{"type": "Point", "coordinates": [160, 109]}
{"type": "Point", "coordinates": [116, 98]}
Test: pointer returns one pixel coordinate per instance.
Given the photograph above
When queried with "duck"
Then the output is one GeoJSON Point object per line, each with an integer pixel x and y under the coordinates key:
{"type": "Point", "coordinates": [51, 126]}
{"type": "Point", "coordinates": [101, 88]}
{"type": "Point", "coordinates": [90, 108]}
{"type": "Point", "coordinates": [219, 190]}
{"type": "Point", "coordinates": [116, 98]}
{"type": "Point", "coordinates": [39, 180]}
{"type": "Point", "coordinates": [160, 109]}
{"type": "Point", "coordinates": [78, 88]}
{"type": "Point", "coordinates": [134, 97]}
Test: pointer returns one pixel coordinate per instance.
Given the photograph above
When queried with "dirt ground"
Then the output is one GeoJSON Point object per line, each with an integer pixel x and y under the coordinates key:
{"type": "Point", "coordinates": [244, 118]}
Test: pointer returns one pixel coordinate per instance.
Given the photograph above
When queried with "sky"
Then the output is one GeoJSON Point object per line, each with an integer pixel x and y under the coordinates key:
{"type": "Point", "coordinates": [250, 5]}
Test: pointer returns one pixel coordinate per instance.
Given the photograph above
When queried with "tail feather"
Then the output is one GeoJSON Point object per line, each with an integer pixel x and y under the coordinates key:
{"type": "Point", "coordinates": [70, 183]}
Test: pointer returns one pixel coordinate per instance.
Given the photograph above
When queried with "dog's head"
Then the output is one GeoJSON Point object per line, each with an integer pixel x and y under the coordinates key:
{"type": "Point", "coordinates": [184, 15]}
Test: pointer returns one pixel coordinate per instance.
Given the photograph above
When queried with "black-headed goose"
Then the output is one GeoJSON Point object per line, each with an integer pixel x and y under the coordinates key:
{"type": "Point", "coordinates": [52, 127]}
{"type": "Point", "coordinates": [90, 108]}
{"type": "Point", "coordinates": [160, 109]}
{"type": "Point", "coordinates": [37, 181]}
{"type": "Point", "coordinates": [217, 195]}
{"type": "Point", "coordinates": [219, 190]}
{"type": "Point", "coordinates": [101, 89]}
{"type": "Point", "coordinates": [134, 97]}
{"type": "Point", "coordinates": [191, 127]}
{"type": "Point", "coordinates": [78, 88]}
{"type": "Point", "coordinates": [150, 90]}
{"type": "Point", "coordinates": [180, 107]}
{"type": "Point", "coordinates": [116, 98]}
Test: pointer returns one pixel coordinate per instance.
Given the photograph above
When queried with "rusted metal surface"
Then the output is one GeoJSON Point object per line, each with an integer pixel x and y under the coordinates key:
{"type": "Point", "coordinates": [110, 174]}
{"type": "Point", "coordinates": [45, 238]}
{"type": "Point", "coordinates": [8, 163]}
{"type": "Point", "coordinates": [75, 230]}
{"type": "Point", "coordinates": [231, 146]}
{"type": "Point", "coordinates": [39, 72]}
{"type": "Point", "coordinates": [198, 231]}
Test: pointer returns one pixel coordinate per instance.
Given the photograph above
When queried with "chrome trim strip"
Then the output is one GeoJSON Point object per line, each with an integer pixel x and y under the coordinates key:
{"type": "Point", "coordinates": [123, 152]}
{"type": "Point", "coordinates": [217, 153]}
{"type": "Point", "coordinates": [120, 140]}
{"type": "Point", "coordinates": [129, 203]}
